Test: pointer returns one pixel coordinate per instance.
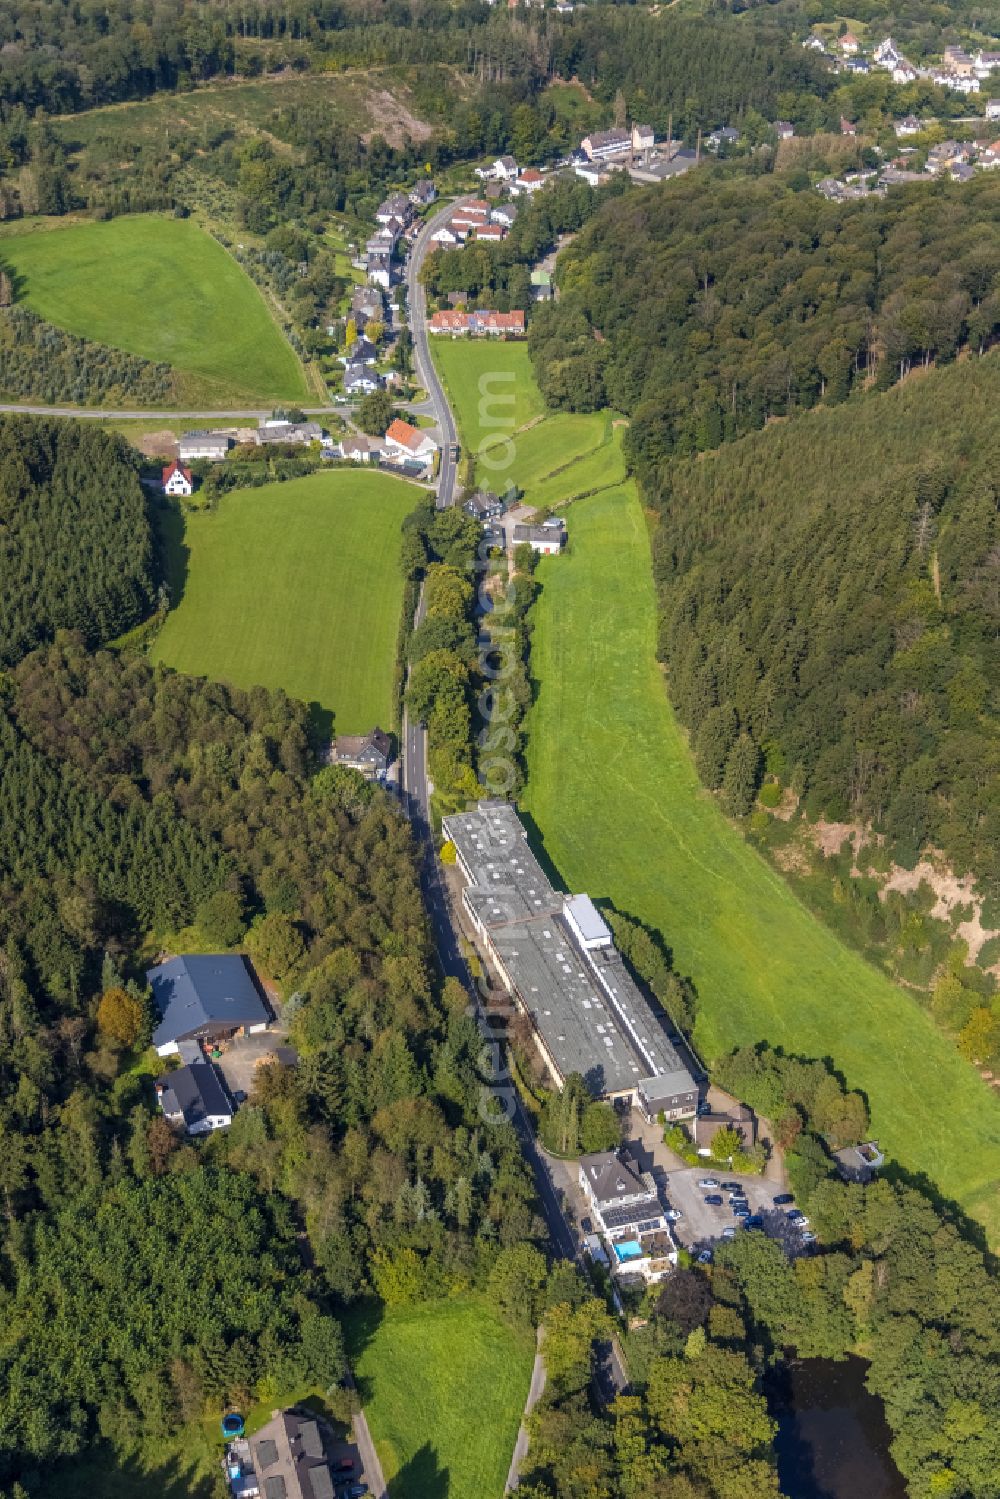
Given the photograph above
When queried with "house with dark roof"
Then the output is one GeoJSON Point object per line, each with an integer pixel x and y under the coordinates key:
{"type": "Point", "coordinates": [626, 1209]}
{"type": "Point", "coordinates": [740, 1118]}
{"type": "Point", "coordinates": [194, 1098]}
{"type": "Point", "coordinates": [484, 505]}
{"type": "Point", "coordinates": [371, 754]}
{"type": "Point", "coordinates": [423, 193]}
{"type": "Point", "coordinates": [361, 380]}
{"type": "Point", "coordinates": [289, 1460]}
{"type": "Point", "coordinates": [205, 996]}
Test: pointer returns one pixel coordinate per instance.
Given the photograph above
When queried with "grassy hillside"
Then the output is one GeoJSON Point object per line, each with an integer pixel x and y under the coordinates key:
{"type": "Point", "coordinates": [295, 585]}
{"type": "Point", "coordinates": [502, 421]}
{"type": "Point", "coordinates": [443, 1387]}
{"type": "Point", "coordinates": [613, 789]}
{"type": "Point", "coordinates": [162, 288]}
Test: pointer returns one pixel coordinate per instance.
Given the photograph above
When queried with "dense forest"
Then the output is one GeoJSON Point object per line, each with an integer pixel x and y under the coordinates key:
{"type": "Point", "coordinates": [76, 549]}
{"type": "Point", "coordinates": [707, 307]}
{"type": "Point", "coordinates": [829, 592]}
{"type": "Point", "coordinates": [39, 362]}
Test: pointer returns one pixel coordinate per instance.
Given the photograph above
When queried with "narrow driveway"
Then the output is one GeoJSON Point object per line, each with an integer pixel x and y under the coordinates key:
{"type": "Point", "coordinates": [534, 1395]}
{"type": "Point", "coordinates": [373, 1475]}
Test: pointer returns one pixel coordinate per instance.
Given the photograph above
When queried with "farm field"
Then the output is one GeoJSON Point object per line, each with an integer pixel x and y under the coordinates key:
{"type": "Point", "coordinates": [443, 1385]}
{"type": "Point", "coordinates": [296, 586]}
{"type": "Point", "coordinates": [614, 793]}
{"type": "Point", "coordinates": [164, 289]}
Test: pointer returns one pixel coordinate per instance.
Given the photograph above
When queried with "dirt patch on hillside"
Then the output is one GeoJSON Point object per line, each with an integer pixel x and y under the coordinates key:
{"type": "Point", "coordinates": [394, 122]}
{"type": "Point", "coordinates": [156, 444]}
{"type": "Point", "coordinates": [952, 892]}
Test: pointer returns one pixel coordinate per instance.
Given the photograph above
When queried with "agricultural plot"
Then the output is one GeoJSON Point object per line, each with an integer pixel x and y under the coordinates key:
{"type": "Point", "coordinates": [166, 290]}
{"type": "Point", "coordinates": [443, 1386]}
{"type": "Point", "coordinates": [296, 586]}
{"type": "Point", "coordinates": [614, 792]}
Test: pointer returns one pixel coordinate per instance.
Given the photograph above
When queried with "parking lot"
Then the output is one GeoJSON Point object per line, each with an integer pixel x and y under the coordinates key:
{"type": "Point", "coordinates": [702, 1225]}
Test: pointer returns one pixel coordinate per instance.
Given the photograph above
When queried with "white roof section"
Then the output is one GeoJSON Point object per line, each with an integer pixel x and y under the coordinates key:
{"type": "Point", "coordinates": [587, 918]}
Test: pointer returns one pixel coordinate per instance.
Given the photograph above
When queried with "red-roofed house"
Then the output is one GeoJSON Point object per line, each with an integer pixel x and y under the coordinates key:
{"type": "Point", "coordinates": [177, 480]}
{"type": "Point", "coordinates": [991, 156]}
{"type": "Point", "coordinates": [529, 181]}
{"type": "Point", "coordinates": [409, 442]}
{"type": "Point", "coordinates": [491, 232]}
{"type": "Point", "coordinates": [498, 324]}
{"type": "Point", "coordinates": [449, 321]}
{"type": "Point", "coordinates": [848, 44]}
{"type": "Point", "coordinates": [477, 209]}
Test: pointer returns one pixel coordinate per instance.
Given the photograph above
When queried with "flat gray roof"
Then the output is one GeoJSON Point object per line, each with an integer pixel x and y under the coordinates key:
{"type": "Point", "coordinates": [590, 1012]}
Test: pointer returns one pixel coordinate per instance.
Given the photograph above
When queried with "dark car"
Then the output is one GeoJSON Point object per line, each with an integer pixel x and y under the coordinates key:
{"type": "Point", "coordinates": [737, 1197]}
{"type": "Point", "coordinates": [754, 1221]}
{"type": "Point", "coordinates": [782, 1199]}
{"type": "Point", "coordinates": [733, 1187]}
{"type": "Point", "coordinates": [741, 1212]}
{"type": "Point", "coordinates": [358, 1490]}
{"type": "Point", "coordinates": [714, 1200]}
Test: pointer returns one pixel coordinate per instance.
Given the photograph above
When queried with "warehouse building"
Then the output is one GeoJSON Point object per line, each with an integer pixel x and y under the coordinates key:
{"type": "Point", "coordinates": [557, 959]}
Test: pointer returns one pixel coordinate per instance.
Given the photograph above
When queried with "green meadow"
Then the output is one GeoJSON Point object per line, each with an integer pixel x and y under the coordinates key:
{"type": "Point", "coordinates": [294, 585]}
{"type": "Point", "coordinates": [614, 793]}
{"type": "Point", "coordinates": [166, 290]}
{"type": "Point", "coordinates": [443, 1386]}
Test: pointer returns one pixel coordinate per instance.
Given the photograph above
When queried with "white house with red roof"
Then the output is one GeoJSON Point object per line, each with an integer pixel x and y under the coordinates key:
{"type": "Point", "coordinates": [177, 480]}
{"type": "Point", "coordinates": [405, 441]}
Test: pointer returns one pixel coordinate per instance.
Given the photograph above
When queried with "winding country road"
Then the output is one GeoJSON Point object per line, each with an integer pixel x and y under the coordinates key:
{"type": "Point", "coordinates": [416, 299]}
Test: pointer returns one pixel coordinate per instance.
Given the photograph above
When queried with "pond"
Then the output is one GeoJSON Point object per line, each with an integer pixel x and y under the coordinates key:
{"type": "Point", "coordinates": [833, 1440]}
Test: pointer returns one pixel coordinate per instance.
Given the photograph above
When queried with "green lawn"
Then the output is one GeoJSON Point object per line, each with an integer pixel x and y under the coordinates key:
{"type": "Point", "coordinates": [443, 1386]}
{"type": "Point", "coordinates": [614, 792]}
{"type": "Point", "coordinates": [490, 386]}
{"type": "Point", "coordinates": [165, 289]}
{"type": "Point", "coordinates": [297, 586]}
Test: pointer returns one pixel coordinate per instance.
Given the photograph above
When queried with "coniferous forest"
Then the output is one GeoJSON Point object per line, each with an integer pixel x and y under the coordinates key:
{"type": "Point", "coordinates": [76, 549]}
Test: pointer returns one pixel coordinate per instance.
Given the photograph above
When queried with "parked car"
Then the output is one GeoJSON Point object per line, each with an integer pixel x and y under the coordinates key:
{"type": "Point", "coordinates": [358, 1490]}
{"type": "Point", "coordinates": [737, 1197]}
{"type": "Point", "coordinates": [808, 1238]}
{"type": "Point", "coordinates": [733, 1187]}
{"type": "Point", "coordinates": [708, 1181]}
{"type": "Point", "coordinates": [673, 1215]}
{"type": "Point", "coordinates": [742, 1213]}
{"type": "Point", "coordinates": [782, 1199]}
{"type": "Point", "coordinates": [754, 1221]}
{"type": "Point", "coordinates": [705, 1258]}
{"type": "Point", "coordinates": [713, 1200]}
{"type": "Point", "coordinates": [799, 1219]}
{"type": "Point", "coordinates": [704, 1107]}
{"type": "Point", "coordinates": [728, 1233]}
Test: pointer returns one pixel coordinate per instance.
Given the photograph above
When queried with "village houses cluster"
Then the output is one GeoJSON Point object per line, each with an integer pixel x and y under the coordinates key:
{"type": "Point", "coordinates": [958, 70]}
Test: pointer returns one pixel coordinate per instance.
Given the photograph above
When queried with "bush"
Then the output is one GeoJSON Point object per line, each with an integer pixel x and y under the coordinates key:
{"type": "Point", "coordinates": [770, 794]}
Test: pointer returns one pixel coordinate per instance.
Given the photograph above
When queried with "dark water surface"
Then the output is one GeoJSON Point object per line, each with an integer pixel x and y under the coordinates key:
{"type": "Point", "coordinates": [833, 1441]}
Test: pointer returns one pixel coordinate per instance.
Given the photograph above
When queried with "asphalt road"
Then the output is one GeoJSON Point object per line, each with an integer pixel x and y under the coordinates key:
{"type": "Point", "coordinates": [417, 303]}
{"type": "Point", "coordinates": [90, 413]}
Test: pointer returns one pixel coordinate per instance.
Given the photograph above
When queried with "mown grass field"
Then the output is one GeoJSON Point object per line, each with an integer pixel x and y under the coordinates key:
{"type": "Point", "coordinates": [296, 586]}
{"type": "Point", "coordinates": [165, 289]}
{"type": "Point", "coordinates": [614, 792]}
{"type": "Point", "coordinates": [551, 457]}
{"type": "Point", "coordinates": [443, 1385]}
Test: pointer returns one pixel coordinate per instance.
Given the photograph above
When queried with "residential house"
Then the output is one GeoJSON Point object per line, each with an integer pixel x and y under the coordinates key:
{"type": "Point", "coordinates": [361, 449]}
{"type": "Point", "coordinates": [177, 480]}
{"type": "Point", "coordinates": [991, 156]}
{"type": "Point", "coordinates": [910, 125]}
{"type": "Point", "coordinates": [604, 143]}
{"type": "Point", "coordinates": [194, 1099]}
{"type": "Point", "coordinates": [505, 169]}
{"type": "Point", "coordinates": [625, 1208]}
{"type": "Point", "coordinates": [423, 193]}
{"type": "Point", "coordinates": [398, 206]}
{"type": "Point", "coordinates": [276, 429]}
{"type": "Point", "coordinates": [739, 1117]}
{"type": "Point", "coordinates": [449, 320]}
{"type": "Point", "coordinates": [491, 233]}
{"type": "Point", "coordinates": [446, 235]}
{"type": "Point", "coordinates": [727, 136]}
{"type": "Point", "coordinates": [985, 63]}
{"type": "Point", "coordinates": [847, 127]}
{"type": "Point", "coordinates": [547, 541]}
{"type": "Point", "coordinates": [590, 172]}
{"type": "Point", "coordinates": [856, 65]}
{"type": "Point", "coordinates": [288, 1461]}
{"type": "Point", "coordinates": [369, 302]}
{"type": "Point", "coordinates": [814, 43]}
{"type": "Point", "coordinates": [480, 323]}
{"type": "Point", "coordinates": [886, 54]}
{"type": "Point", "coordinates": [409, 442]}
{"type": "Point", "coordinates": [384, 242]}
{"type": "Point", "coordinates": [784, 129]}
{"type": "Point", "coordinates": [505, 214]}
{"type": "Point", "coordinates": [957, 60]}
{"type": "Point", "coordinates": [360, 351]}
{"type": "Point", "coordinates": [484, 505]}
{"type": "Point", "coordinates": [643, 138]}
{"type": "Point", "coordinates": [211, 445]}
{"type": "Point", "coordinates": [849, 44]}
{"type": "Point", "coordinates": [960, 171]}
{"type": "Point", "coordinates": [371, 754]}
{"type": "Point", "coordinates": [960, 83]}
{"type": "Point", "coordinates": [205, 996]}
{"type": "Point", "coordinates": [904, 72]}
{"type": "Point", "coordinates": [530, 181]}
{"type": "Point", "coordinates": [378, 269]}
{"type": "Point", "coordinates": [859, 1163]}
{"type": "Point", "coordinates": [541, 286]}
{"type": "Point", "coordinates": [361, 380]}
{"type": "Point", "coordinates": [478, 210]}
{"type": "Point", "coordinates": [993, 109]}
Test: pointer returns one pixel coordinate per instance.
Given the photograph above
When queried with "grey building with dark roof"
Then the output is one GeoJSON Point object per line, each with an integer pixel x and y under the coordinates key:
{"type": "Point", "coordinates": [556, 957]}
{"type": "Point", "coordinates": [289, 1460]}
{"type": "Point", "coordinates": [193, 1097]}
{"type": "Point", "coordinates": [205, 997]}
